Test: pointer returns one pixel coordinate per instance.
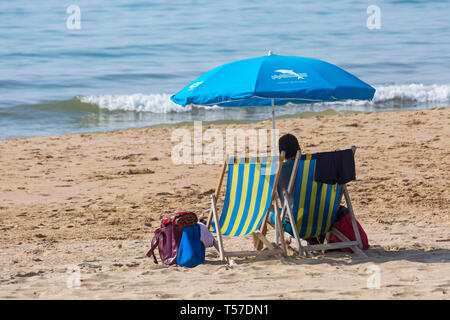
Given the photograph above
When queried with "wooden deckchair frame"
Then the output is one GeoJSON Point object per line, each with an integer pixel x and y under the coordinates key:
{"type": "Point", "coordinates": [213, 215]}
{"type": "Point", "coordinates": [355, 246]}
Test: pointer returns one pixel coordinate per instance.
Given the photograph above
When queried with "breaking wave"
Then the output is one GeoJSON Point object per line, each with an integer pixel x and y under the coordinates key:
{"type": "Point", "coordinates": [409, 95]}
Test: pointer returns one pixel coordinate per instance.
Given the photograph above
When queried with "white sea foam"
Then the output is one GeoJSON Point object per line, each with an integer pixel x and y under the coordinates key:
{"type": "Point", "coordinates": [413, 92]}
{"type": "Point", "coordinates": [156, 103]}
{"type": "Point", "coordinates": [409, 94]}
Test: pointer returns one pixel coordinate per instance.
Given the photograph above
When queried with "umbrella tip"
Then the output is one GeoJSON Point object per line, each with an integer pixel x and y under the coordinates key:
{"type": "Point", "coordinates": [270, 53]}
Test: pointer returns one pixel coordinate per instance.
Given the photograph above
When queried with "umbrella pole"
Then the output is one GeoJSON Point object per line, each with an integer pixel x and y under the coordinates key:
{"type": "Point", "coordinates": [274, 149]}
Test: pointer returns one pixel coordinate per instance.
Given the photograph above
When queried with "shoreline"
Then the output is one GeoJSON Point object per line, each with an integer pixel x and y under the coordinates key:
{"type": "Point", "coordinates": [303, 114]}
{"type": "Point", "coordinates": [93, 200]}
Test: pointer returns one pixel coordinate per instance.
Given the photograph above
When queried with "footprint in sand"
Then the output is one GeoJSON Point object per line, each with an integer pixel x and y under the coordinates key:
{"type": "Point", "coordinates": [29, 274]}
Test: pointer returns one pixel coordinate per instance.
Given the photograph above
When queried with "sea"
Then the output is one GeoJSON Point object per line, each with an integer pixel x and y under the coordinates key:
{"type": "Point", "coordinates": [91, 66]}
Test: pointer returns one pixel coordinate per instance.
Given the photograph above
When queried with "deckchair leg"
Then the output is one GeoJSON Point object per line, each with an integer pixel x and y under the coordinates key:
{"type": "Point", "coordinates": [283, 213]}
{"type": "Point", "coordinates": [326, 240]}
{"type": "Point", "coordinates": [282, 218]}
{"type": "Point", "coordinates": [343, 238]}
{"type": "Point", "coordinates": [216, 221]}
{"type": "Point", "coordinates": [277, 235]}
{"type": "Point", "coordinates": [294, 226]}
{"type": "Point", "coordinates": [352, 216]}
{"type": "Point", "coordinates": [257, 244]}
{"type": "Point", "coordinates": [264, 240]}
{"type": "Point", "coordinates": [275, 209]}
{"type": "Point", "coordinates": [269, 246]}
{"type": "Point", "coordinates": [263, 227]}
{"type": "Point", "coordinates": [279, 231]}
{"type": "Point", "coordinates": [278, 204]}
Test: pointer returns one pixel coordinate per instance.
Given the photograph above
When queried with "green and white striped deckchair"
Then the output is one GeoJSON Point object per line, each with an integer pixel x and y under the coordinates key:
{"type": "Point", "coordinates": [312, 207]}
{"type": "Point", "coordinates": [250, 193]}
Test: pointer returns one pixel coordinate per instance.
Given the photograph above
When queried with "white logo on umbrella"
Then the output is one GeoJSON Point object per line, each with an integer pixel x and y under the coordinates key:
{"type": "Point", "coordinates": [288, 74]}
{"type": "Point", "coordinates": [195, 85]}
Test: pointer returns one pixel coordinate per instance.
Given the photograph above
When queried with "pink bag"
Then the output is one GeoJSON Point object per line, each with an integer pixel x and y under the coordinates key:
{"type": "Point", "coordinates": [167, 239]}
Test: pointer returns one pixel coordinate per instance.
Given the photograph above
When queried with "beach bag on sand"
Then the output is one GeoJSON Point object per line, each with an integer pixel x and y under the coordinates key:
{"type": "Point", "coordinates": [182, 218]}
{"type": "Point", "coordinates": [344, 225]}
{"type": "Point", "coordinates": [167, 238]}
{"type": "Point", "coordinates": [191, 251]}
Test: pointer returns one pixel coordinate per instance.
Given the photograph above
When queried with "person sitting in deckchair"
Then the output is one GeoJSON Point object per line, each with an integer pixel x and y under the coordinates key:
{"type": "Point", "coordinates": [289, 144]}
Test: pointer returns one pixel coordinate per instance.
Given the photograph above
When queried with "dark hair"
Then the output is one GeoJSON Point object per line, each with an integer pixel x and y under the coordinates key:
{"type": "Point", "coordinates": [289, 144]}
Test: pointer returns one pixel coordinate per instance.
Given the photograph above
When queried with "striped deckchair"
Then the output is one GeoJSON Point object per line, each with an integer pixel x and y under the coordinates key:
{"type": "Point", "coordinates": [312, 208]}
{"type": "Point", "coordinates": [250, 192]}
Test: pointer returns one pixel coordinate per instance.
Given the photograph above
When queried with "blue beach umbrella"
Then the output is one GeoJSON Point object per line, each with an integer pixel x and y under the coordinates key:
{"type": "Point", "coordinates": [273, 80]}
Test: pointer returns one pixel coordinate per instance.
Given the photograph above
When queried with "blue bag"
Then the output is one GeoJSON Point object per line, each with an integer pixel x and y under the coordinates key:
{"type": "Point", "coordinates": [191, 251]}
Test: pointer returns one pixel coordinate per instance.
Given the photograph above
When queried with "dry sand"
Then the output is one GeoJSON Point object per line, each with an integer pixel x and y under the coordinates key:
{"type": "Point", "coordinates": [92, 201]}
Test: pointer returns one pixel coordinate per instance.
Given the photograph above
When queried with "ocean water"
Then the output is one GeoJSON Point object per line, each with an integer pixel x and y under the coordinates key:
{"type": "Point", "coordinates": [120, 67]}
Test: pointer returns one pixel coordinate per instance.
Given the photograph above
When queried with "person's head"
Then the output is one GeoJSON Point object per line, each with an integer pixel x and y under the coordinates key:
{"type": "Point", "coordinates": [289, 144]}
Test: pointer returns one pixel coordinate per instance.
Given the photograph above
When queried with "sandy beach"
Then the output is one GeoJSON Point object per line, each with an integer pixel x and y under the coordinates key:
{"type": "Point", "coordinates": [89, 203]}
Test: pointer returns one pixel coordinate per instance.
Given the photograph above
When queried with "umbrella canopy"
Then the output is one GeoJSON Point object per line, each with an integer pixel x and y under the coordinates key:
{"type": "Point", "coordinates": [273, 80]}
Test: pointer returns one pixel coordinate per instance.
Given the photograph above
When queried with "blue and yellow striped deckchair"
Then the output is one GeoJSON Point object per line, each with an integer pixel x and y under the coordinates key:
{"type": "Point", "coordinates": [314, 206]}
{"type": "Point", "coordinates": [250, 192]}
